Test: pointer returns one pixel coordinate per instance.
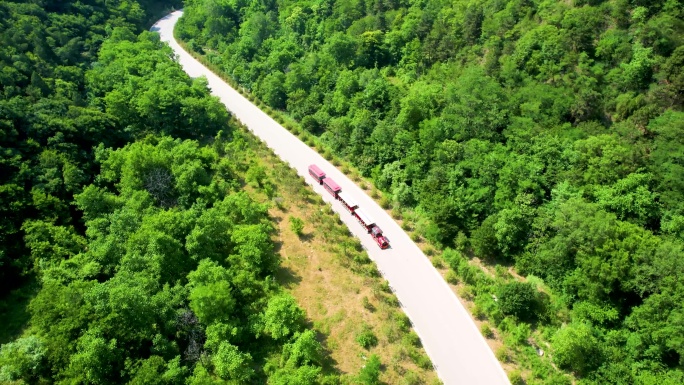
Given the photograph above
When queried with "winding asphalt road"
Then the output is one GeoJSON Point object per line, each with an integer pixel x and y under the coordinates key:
{"type": "Point", "coordinates": [457, 349]}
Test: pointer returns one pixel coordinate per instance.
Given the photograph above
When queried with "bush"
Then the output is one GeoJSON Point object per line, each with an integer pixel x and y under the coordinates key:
{"type": "Point", "coordinates": [516, 378]}
{"type": "Point", "coordinates": [403, 322]}
{"type": "Point", "coordinates": [411, 339]}
{"type": "Point", "coordinates": [415, 237]}
{"type": "Point", "coordinates": [466, 292]}
{"type": "Point", "coordinates": [451, 277]}
{"type": "Point", "coordinates": [411, 378]}
{"type": "Point", "coordinates": [297, 226]}
{"type": "Point", "coordinates": [419, 358]}
{"type": "Point", "coordinates": [486, 331]}
{"type": "Point", "coordinates": [502, 354]}
{"type": "Point", "coordinates": [366, 338]}
{"type": "Point", "coordinates": [375, 193]}
{"type": "Point", "coordinates": [478, 313]}
{"type": "Point", "coordinates": [518, 299]}
{"type": "Point", "coordinates": [391, 300]}
{"type": "Point", "coordinates": [438, 262]}
{"type": "Point", "coordinates": [367, 304]}
{"type": "Point", "coordinates": [370, 372]}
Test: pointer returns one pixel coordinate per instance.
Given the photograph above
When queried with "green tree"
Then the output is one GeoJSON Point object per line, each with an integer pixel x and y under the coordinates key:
{"type": "Point", "coordinates": [231, 364]}
{"type": "Point", "coordinates": [23, 359]}
{"type": "Point", "coordinates": [282, 317]}
{"type": "Point", "coordinates": [577, 348]}
{"type": "Point", "coordinates": [211, 296]}
{"type": "Point", "coordinates": [518, 299]}
{"type": "Point", "coordinates": [304, 350]}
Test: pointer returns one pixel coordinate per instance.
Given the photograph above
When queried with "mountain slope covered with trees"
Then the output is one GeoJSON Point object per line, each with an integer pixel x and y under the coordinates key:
{"type": "Point", "coordinates": [123, 220]}
{"type": "Point", "coordinates": [543, 135]}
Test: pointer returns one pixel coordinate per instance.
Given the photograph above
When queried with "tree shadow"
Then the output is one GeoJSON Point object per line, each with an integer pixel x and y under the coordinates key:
{"type": "Point", "coordinates": [328, 363]}
{"type": "Point", "coordinates": [306, 237]}
{"type": "Point", "coordinates": [14, 310]}
{"type": "Point", "coordinates": [287, 277]}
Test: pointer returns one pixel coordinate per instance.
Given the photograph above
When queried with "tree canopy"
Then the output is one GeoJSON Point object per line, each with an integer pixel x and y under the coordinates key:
{"type": "Point", "coordinates": [152, 265]}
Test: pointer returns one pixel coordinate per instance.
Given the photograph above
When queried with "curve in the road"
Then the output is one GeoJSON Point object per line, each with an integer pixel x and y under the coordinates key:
{"type": "Point", "coordinates": [457, 349]}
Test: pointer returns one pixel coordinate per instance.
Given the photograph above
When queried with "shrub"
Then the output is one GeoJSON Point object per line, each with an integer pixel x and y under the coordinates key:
{"type": "Point", "coordinates": [411, 339]}
{"type": "Point", "coordinates": [451, 277]}
{"type": "Point", "coordinates": [402, 321]}
{"type": "Point", "coordinates": [502, 354]}
{"type": "Point", "coordinates": [385, 203]}
{"type": "Point", "coordinates": [438, 262]}
{"type": "Point", "coordinates": [516, 378]}
{"type": "Point", "coordinates": [370, 372]}
{"type": "Point", "coordinates": [384, 286]}
{"type": "Point", "coordinates": [419, 358]}
{"type": "Point", "coordinates": [478, 312]}
{"type": "Point", "coordinates": [411, 378]}
{"type": "Point", "coordinates": [415, 237]}
{"type": "Point", "coordinates": [466, 292]}
{"type": "Point", "coordinates": [517, 299]}
{"type": "Point", "coordinates": [486, 331]}
{"type": "Point", "coordinates": [370, 271]}
{"type": "Point", "coordinates": [391, 300]}
{"type": "Point", "coordinates": [297, 226]}
{"type": "Point", "coordinates": [366, 338]}
{"type": "Point", "coordinates": [367, 304]}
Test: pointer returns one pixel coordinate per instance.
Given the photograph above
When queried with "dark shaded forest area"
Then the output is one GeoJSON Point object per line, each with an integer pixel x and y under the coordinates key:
{"type": "Point", "coordinates": [543, 135]}
{"type": "Point", "coordinates": [129, 252]}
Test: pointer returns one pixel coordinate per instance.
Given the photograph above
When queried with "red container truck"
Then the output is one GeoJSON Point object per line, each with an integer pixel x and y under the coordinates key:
{"type": "Point", "coordinates": [336, 191]}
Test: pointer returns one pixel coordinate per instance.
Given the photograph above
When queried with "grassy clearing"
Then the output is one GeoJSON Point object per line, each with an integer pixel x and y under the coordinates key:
{"type": "Point", "coordinates": [335, 282]}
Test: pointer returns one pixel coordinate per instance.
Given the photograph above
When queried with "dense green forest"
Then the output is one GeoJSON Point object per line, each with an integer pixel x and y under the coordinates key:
{"type": "Point", "coordinates": [538, 134]}
{"type": "Point", "coordinates": [124, 221]}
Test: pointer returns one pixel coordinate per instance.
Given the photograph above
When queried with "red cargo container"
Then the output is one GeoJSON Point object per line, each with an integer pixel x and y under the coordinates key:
{"type": "Point", "coordinates": [317, 173]}
{"type": "Point", "coordinates": [332, 187]}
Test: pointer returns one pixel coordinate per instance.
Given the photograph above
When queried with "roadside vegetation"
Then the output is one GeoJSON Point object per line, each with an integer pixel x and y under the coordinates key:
{"type": "Point", "coordinates": [531, 148]}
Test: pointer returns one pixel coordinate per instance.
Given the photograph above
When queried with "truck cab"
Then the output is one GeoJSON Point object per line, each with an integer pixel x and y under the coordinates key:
{"type": "Point", "coordinates": [380, 239]}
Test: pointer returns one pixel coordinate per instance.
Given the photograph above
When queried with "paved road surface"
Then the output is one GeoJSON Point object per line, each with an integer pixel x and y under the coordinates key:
{"type": "Point", "coordinates": [450, 337]}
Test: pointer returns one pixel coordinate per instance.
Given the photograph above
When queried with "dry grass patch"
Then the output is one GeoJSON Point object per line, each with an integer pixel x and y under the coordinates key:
{"type": "Point", "coordinates": [340, 298]}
